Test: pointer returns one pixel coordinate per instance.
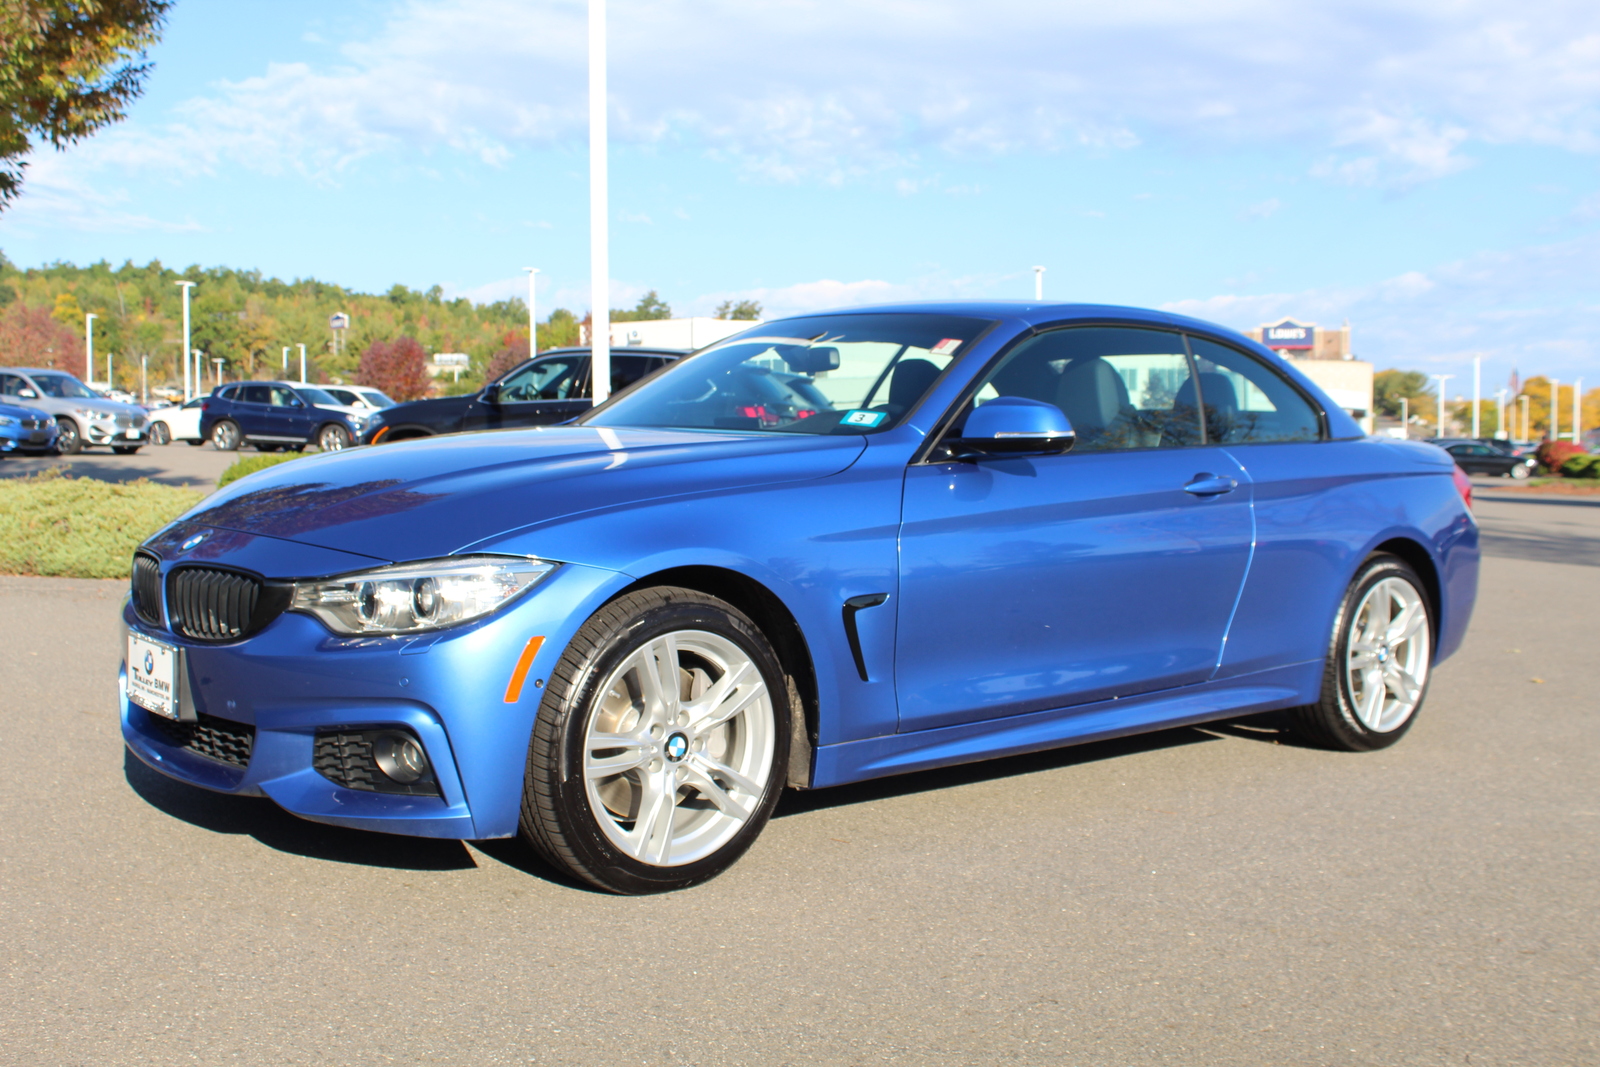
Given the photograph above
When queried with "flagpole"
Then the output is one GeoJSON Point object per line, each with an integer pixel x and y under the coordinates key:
{"type": "Point", "coordinates": [599, 267]}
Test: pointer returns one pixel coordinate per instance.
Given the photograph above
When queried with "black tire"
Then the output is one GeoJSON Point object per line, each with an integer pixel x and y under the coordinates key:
{"type": "Point", "coordinates": [1519, 473]}
{"type": "Point", "coordinates": [225, 436]}
{"type": "Point", "coordinates": [69, 441]}
{"type": "Point", "coordinates": [1333, 721]}
{"type": "Point", "coordinates": [160, 434]}
{"type": "Point", "coordinates": [125, 450]}
{"type": "Point", "coordinates": [333, 438]}
{"type": "Point", "coordinates": [262, 446]}
{"type": "Point", "coordinates": [557, 817]}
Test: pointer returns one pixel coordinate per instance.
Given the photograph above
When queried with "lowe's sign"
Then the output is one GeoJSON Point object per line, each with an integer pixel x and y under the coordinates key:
{"type": "Point", "coordinates": [1289, 334]}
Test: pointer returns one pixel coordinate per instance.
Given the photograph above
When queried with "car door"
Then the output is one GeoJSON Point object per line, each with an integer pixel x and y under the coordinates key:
{"type": "Point", "coordinates": [293, 417]}
{"type": "Point", "coordinates": [548, 390]}
{"type": "Point", "coordinates": [251, 408]}
{"type": "Point", "coordinates": [1037, 583]}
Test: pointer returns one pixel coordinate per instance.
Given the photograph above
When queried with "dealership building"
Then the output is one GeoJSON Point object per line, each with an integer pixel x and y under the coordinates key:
{"type": "Point", "coordinates": [1324, 356]}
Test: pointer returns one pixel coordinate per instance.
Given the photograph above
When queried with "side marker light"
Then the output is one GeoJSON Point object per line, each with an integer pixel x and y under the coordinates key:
{"type": "Point", "coordinates": [520, 675]}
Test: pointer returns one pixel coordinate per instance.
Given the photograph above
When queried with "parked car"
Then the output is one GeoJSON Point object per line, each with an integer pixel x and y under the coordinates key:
{"type": "Point", "coordinates": [358, 396]}
{"type": "Point", "coordinates": [179, 422]}
{"type": "Point", "coordinates": [274, 415]}
{"type": "Point", "coordinates": [551, 388]}
{"type": "Point", "coordinates": [26, 430]}
{"type": "Point", "coordinates": [83, 417]}
{"type": "Point", "coordinates": [1004, 527]}
{"type": "Point", "coordinates": [1479, 457]}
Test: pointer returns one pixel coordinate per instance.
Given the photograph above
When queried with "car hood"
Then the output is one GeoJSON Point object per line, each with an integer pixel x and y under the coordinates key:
{"type": "Point", "coordinates": [436, 496]}
{"type": "Point", "coordinates": [19, 411]}
{"type": "Point", "coordinates": [437, 407]}
{"type": "Point", "coordinates": [345, 409]}
{"type": "Point", "coordinates": [77, 403]}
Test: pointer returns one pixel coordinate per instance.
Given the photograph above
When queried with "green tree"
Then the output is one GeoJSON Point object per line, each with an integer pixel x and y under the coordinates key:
{"type": "Point", "coordinates": [650, 306]}
{"type": "Point", "coordinates": [740, 310]}
{"type": "Point", "coordinates": [67, 69]}
{"type": "Point", "coordinates": [1389, 386]}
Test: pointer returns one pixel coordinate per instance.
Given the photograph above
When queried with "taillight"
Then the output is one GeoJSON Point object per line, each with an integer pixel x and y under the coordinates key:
{"type": "Point", "coordinates": [205, 405]}
{"type": "Point", "coordinates": [1463, 484]}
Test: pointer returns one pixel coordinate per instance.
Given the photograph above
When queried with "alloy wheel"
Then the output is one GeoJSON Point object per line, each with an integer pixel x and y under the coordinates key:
{"type": "Point", "coordinates": [679, 750]}
{"type": "Point", "coordinates": [1386, 663]}
{"type": "Point", "coordinates": [333, 439]}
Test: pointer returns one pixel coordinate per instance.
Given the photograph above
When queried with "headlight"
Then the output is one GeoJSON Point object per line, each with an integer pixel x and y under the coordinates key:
{"type": "Point", "coordinates": [413, 597]}
{"type": "Point", "coordinates": [87, 413]}
{"type": "Point", "coordinates": [7, 420]}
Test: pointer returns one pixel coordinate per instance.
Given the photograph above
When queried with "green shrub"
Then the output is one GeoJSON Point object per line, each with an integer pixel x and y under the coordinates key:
{"type": "Point", "coordinates": [1585, 466]}
{"type": "Point", "coordinates": [250, 464]}
{"type": "Point", "coordinates": [56, 525]}
{"type": "Point", "coordinates": [1553, 455]}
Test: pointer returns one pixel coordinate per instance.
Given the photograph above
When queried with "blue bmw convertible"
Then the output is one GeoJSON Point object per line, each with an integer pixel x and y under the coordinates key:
{"type": "Point", "coordinates": [834, 547]}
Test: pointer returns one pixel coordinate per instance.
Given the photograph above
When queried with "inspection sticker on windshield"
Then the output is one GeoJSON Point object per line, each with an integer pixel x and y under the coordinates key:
{"type": "Point", "coordinates": [947, 346]}
{"type": "Point", "coordinates": [153, 675]}
{"type": "Point", "coordinates": [862, 418]}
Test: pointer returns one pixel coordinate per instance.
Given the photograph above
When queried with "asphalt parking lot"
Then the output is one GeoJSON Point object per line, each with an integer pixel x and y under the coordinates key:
{"type": "Point", "coordinates": [175, 464]}
{"type": "Point", "coordinates": [1199, 896]}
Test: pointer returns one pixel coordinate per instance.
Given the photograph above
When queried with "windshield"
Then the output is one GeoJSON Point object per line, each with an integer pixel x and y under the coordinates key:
{"type": "Point", "coordinates": [313, 395]}
{"type": "Point", "coordinates": [825, 374]}
{"type": "Point", "coordinates": [63, 387]}
{"type": "Point", "coordinates": [376, 399]}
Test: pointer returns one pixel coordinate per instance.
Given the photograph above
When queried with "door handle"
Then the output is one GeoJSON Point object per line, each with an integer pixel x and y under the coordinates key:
{"type": "Point", "coordinates": [1210, 485]}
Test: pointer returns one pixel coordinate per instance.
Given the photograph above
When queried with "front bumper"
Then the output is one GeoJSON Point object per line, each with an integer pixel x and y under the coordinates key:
{"type": "Point", "coordinates": [295, 679]}
{"type": "Point", "coordinates": [15, 439]}
{"type": "Point", "coordinates": [114, 433]}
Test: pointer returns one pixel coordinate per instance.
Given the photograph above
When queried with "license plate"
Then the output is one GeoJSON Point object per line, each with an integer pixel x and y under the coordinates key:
{"type": "Point", "coordinates": [131, 433]}
{"type": "Point", "coordinates": [153, 675]}
{"type": "Point", "coordinates": [37, 437]}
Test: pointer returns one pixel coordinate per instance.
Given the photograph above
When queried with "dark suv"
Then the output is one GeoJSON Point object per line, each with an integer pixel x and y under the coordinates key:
{"type": "Point", "coordinates": [274, 415]}
{"type": "Point", "coordinates": [552, 388]}
{"type": "Point", "coordinates": [1479, 456]}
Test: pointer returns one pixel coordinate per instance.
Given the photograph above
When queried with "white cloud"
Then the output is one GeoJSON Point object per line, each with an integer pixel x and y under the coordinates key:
{"type": "Point", "coordinates": [805, 90]}
{"type": "Point", "coordinates": [1264, 210]}
{"type": "Point", "coordinates": [1531, 307]}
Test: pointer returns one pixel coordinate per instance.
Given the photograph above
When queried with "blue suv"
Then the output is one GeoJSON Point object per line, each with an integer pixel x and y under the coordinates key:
{"type": "Point", "coordinates": [274, 415]}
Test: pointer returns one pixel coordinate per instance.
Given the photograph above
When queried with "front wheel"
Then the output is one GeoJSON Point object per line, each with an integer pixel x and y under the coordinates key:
{"type": "Point", "coordinates": [69, 442]}
{"type": "Point", "coordinates": [1520, 472]}
{"type": "Point", "coordinates": [1379, 660]}
{"type": "Point", "coordinates": [160, 434]}
{"type": "Point", "coordinates": [225, 436]}
{"type": "Point", "coordinates": [661, 745]}
{"type": "Point", "coordinates": [333, 438]}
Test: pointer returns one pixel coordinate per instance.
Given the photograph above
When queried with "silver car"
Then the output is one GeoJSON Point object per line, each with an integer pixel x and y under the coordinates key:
{"type": "Point", "coordinates": [84, 416]}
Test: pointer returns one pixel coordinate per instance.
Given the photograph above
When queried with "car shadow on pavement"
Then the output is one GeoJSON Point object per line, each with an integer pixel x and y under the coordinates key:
{"type": "Point", "coordinates": [796, 802]}
{"type": "Point", "coordinates": [277, 829]}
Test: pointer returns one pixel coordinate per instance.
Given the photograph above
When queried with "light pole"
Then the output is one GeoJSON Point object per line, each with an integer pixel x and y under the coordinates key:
{"type": "Point", "coordinates": [197, 357]}
{"type": "Point", "coordinates": [1441, 379]}
{"type": "Point", "coordinates": [1522, 399]}
{"type": "Point", "coordinates": [88, 334]}
{"type": "Point", "coordinates": [1477, 395]}
{"type": "Point", "coordinates": [1555, 410]}
{"type": "Point", "coordinates": [188, 394]}
{"type": "Point", "coordinates": [144, 379]}
{"type": "Point", "coordinates": [599, 265]}
{"type": "Point", "coordinates": [111, 380]}
{"type": "Point", "coordinates": [533, 318]}
{"type": "Point", "coordinates": [1577, 409]}
{"type": "Point", "coordinates": [1038, 283]}
{"type": "Point", "coordinates": [302, 364]}
{"type": "Point", "coordinates": [218, 379]}
{"type": "Point", "coordinates": [1500, 415]}
{"type": "Point", "coordinates": [1405, 416]}
{"type": "Point", "coordinates": [285, 361]}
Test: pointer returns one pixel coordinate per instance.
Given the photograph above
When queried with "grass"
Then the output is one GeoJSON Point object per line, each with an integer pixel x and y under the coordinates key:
{"type": "Point", "coordinates": [59, 526]}
{"type": "Point", "coordinates": [250, 464]}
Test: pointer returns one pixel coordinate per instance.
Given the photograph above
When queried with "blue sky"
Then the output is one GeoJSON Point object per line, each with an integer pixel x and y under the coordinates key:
{"type": "Point", "coordinates": [1427, 169]}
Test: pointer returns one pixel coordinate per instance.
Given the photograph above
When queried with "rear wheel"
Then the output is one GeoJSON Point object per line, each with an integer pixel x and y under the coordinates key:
{"type": "Point", "coordinates": [225, 436]}
{"type": "Point", "coordinates": [661, 746]}
{"type": "Point", "coordinates": [160, 434]}
{"type": "Point", "coordinates": [333, 438]}
{"type": "Point", "coordinates": [69, 442]}
{"type": "Point", "coordinates": [1379, 660]}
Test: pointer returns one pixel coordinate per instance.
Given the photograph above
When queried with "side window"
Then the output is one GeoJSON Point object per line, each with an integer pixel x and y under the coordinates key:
{"type": "Point", "coordinates": [282, 398]}
{"type": "Point", "coordinates": [1247, 403]}
{"type": "Point", "coordinates": [1121, 387]}
{"type": "Point", "coordinates": [625, 370]}
{"type": "Point", "coordinates": [10, 384]}
{"type": "Point", "coordinates": [252, 394]}
{"type": "Point", "coordinates": [548, 379]}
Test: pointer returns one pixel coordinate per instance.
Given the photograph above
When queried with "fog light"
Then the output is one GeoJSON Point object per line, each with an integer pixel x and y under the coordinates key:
{"type": "Point", "coordinates": [399, 756]}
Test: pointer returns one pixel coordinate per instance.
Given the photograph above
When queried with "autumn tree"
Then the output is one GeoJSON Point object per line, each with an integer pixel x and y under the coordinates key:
{"type": "Point", "coordinates": [398, 368]}
{"type": "Point", "coordinates": [650, 306]}
{"type": "Point", "coordinates": [31, 337]}
{"type": "Point", "coordinates": [67, 69]}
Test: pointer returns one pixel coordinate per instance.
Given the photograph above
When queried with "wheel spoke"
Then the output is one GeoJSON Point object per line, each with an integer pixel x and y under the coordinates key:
{"type": "Point", "coordinates": [1373, 692]}
{"type": "Point", "coordinates": [1406, 624]}
{"type": "Point", "coordinates": [706, 708]}
{"type": "Point", "coordinates": [1405, 685]}
{"type": "Point", "coordinates": [657, 667]}
{"type": "Point", "coordinates": [652, 832]}
{"type": "Point", "coordinates": [732, 708]}
{"type": "Point", "coordinates": [629, 752]}
{"type": "Point", "coordinates": [717, 795]}
{"type": "Point", "coordinates": [709, 767]}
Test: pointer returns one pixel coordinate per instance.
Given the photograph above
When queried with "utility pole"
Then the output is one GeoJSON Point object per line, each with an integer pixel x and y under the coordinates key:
{"type": "Point", "coordinates": [1477, 395]}
{"type": "Point", "coordinates": [188, 393]}
{"type": "Point", "coordinates": [599, 211]}
{"type": "Point", "coordinates": [1441, 379]}
{"type": "Point", "coordinates": [1038, 283]}
{"type": "Point", "coordinates": [88, 334]}
{"type": "Point", "coordinates": [533, 317]}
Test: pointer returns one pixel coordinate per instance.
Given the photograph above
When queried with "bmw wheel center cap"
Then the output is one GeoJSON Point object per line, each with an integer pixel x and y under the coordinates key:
{"type": "Point", "coordinates": [677, 747]}
{"type": "Point", "coordinates": [195, 540]}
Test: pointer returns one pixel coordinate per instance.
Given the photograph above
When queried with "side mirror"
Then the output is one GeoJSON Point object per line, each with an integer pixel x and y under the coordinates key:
{"type": "Point", "coordinates": [1016, 426]}
{"type": "Point", "coordinates": [491, 393]}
